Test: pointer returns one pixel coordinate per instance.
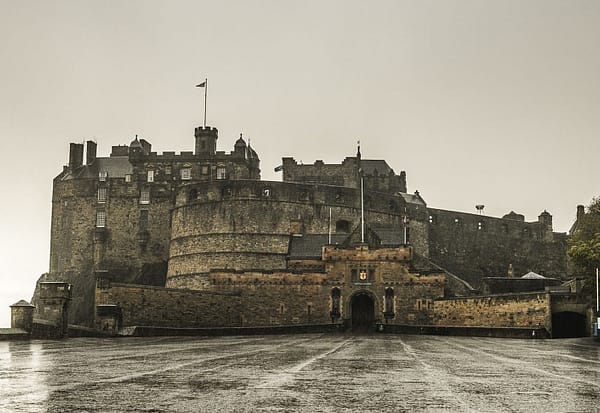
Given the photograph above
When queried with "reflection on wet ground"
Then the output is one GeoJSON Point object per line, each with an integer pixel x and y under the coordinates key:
{"type": "Point", "coordinates": [300, 373]}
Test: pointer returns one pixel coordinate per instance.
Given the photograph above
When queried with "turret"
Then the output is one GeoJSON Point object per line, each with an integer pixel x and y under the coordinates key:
{"type": "Point", "coordinates": [254, 163]}
{"type": "Point", "coordinates": [545, 220]}
{"type": "Point", "coordinates": [22, 315]}
{"type": "Point", "coordinates": [206, 140]}
{"type": "Point", "coordinates": [136, 150]}
{"type": "Point", "coordinates": [239, 149]}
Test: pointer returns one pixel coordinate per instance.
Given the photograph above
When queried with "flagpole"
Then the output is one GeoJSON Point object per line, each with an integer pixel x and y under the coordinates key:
{"type": "Point", "coordinates": [362, 211]}
{"type": "Point", "coordinates": [404, 224]}
{"type": "Point", "coordinates": [205, 90]}
{"type": "Point", "coordinates": [597, 297]}
{"type": "Point", "coordinates": [329, 226]}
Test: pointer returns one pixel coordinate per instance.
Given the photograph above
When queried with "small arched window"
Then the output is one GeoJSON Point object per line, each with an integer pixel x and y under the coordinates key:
{"type": "Point", "coordinates": [389, 303]}
{"type": "Point", "coordinates": [335, 303]}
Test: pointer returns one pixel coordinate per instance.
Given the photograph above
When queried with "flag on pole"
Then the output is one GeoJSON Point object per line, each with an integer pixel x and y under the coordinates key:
{"type": "Point", "coordinates": [205, 86]}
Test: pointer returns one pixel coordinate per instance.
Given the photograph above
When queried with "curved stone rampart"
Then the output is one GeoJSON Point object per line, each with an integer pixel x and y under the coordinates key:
{"type": "Point", "coordinates": [243, 225]}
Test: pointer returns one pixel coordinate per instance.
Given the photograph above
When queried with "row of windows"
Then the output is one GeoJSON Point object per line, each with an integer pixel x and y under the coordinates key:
{"type": "Point", "coordinates": [101, 219]}
{"type": "Point", "coordinates": [185, 174]}
{"type": "Point", "coordinates": [457, 221]}
{"type": "Point", "coordinates": [481, 225]}
{"type": "Point", "coordinates": [102, 195]}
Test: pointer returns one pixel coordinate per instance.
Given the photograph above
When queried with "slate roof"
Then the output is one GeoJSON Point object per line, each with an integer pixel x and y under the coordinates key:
{"type": "Point", "coordinates": [411, 199]}
{"type": "Point", "coordinates": [309, 246]}
{"type": "Point", "coordinates": [388, 235]}
{"type": "Point", "coordinates": [115, 166]}
{"type": "Point", "coordinates": [22, 303]}
{"type": "Point", "coordinates": [369, 167]}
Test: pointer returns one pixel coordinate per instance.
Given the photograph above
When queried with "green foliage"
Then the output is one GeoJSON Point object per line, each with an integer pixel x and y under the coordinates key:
{"type": "Point", "coordinates": [584, 243]}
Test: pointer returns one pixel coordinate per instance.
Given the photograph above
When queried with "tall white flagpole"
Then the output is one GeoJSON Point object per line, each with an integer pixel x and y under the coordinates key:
{"type": "Point", "coordinates": [205, 92]}
{"type": "Point", "coordinates": [597, 297]}
{"type": "Point", "coordinates": [362, 211]}
{"type": "Point", "coordinates": [329, 226]}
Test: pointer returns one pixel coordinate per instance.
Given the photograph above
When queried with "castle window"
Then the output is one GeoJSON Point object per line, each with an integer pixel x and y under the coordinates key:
{"type": "Point", "coordinates": [389, 303]}
{"type": "Point", "coordinates": [102, 175]}
{"type": "Point", "coordinates": [168, 170]}
{"type": "Point", "coordinates": [145, 196]}
{"type": "Point", "coordinates": [150, 175]}
{"type": "Point", "coordinates": [335, 303]}
{"type": "Point", "coordinates": [480, 225]}
{"type": "Point", "coordinates": [127, 177]}
{"type": "Point", "coordinates": [204, 169]}
{"type": "Point", "coordinates": [102, 194]}
{"type": "Point", "coordinates": [431, 219]}
{"type": "Point", "coordinates": [342, 226]}
{"type": "Point", "coordinates": [186, 174]}
{"type": "Point", "coordinates": [457, 221]}
{"type": "Point", "coordinates": [100, 219]}
{"type": "Point", "coordinates": [266, 192]}
{"type": "Point", "coordinates": [221, 173]}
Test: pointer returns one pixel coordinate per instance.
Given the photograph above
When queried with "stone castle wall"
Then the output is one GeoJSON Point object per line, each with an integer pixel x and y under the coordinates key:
{"type": "Point", "coordinates": [514, 310]}
{"type": "Point", "coordinates": [131, 249]}
{"type": "Point", "coordinates": [475, 246]}
{"type": "Point", "coordinates": [245, 225]}
{"type": "Point", "coordinates": [343, 175]}
{"type": "Point", "coordinates": [162, 307]}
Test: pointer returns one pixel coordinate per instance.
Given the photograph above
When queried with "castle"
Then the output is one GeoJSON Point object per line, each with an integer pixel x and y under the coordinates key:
{"type": "Point", "coordinates": [197, 239]}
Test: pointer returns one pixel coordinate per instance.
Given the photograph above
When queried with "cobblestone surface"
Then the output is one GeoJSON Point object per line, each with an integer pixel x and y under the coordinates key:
{"type": "Point", "coordinates": [316, 373]}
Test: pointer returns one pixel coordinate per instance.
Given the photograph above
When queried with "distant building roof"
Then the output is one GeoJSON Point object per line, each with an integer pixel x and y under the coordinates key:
{"type": "Point", "coordinates": [22, 303]}
{"type": "Point", "coordinates": [514, 216]}
{"type": "Point", "coordinates": [533, 275]}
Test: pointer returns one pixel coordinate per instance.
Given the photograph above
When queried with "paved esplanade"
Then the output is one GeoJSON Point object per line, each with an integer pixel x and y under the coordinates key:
{"type": "Point", "coordinates": [300, 373]}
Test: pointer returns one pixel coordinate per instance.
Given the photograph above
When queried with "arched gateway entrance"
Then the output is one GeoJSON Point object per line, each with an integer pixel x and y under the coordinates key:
{"type": "Point", "coordinates": [363, 313]}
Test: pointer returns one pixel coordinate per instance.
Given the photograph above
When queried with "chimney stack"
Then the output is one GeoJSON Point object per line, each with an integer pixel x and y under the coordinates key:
{"type": "Point", "coordinates": [75, 155]}
{"type": "Point", "coordinates": [90, 152]}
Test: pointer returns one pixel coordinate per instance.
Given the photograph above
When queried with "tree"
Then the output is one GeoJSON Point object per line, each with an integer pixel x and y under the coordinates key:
{"type": "Point", "coordinates": [584, 245]}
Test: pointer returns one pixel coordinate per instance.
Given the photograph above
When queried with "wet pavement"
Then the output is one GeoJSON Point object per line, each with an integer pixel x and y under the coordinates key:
{"type": "Point", "coordinates": [313, 373]}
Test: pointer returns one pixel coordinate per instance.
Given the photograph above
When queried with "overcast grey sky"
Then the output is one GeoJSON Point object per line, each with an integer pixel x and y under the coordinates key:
{"type": "Point", "coordinates": [491, 102]}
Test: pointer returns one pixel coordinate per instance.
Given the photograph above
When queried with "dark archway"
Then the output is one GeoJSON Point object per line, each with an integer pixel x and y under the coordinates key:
{"type": "Point", "coordinates": [363, 313]}
{"type": "Point", "coordinates": [568, 324]}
